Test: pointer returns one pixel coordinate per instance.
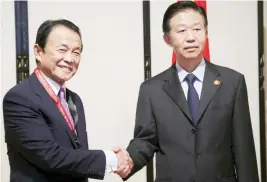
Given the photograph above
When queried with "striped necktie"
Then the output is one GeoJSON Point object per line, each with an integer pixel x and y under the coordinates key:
{"type": "Point", "coordinates": [61, 95]}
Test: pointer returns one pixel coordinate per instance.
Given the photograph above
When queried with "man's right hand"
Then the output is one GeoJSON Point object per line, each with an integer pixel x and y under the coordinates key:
{"type": "Point", "coordinates": [125, 162]}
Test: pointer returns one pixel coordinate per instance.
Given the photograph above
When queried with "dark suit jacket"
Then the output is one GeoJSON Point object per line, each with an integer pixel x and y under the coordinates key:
{"type": "Point", "coordinates": [41, 147]}
{"type": "Point", "coordinates": [218, 148]}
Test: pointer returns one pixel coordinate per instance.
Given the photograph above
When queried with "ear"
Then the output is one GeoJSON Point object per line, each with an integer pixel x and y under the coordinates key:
{"type": "Point", "coordinates": [206, 31]}
{"type": "Point", "coordinates": [167, 40]}
{"type": "Point", "coordinates": [38, 52]}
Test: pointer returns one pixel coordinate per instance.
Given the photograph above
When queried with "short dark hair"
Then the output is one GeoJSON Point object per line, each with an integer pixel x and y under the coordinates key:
{"type": "Point", "coordinates": [46, 27]}
{"type": "Point", "coordinates": [178, 7]}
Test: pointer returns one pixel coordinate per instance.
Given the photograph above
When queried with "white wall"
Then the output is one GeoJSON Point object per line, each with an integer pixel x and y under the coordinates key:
{"type": "Point", "coordinates": [113, 39]}
{"type": "Point", "coordinates": [233, 43]}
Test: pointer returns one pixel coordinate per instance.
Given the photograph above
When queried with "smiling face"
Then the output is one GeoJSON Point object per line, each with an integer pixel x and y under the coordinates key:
{"type": "Point", "coordinates": [60, 57]}
{"type": "Point", "coordinates": [187, 35]}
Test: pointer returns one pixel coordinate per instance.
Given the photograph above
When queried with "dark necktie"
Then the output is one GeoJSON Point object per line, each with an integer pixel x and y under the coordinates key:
{"type": "Point", "coordinates": [192, 96]}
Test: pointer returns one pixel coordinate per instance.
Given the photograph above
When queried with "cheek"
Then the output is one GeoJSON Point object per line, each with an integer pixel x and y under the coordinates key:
{"type": "Point", "coordinates": [49, 64]}
{"type": "Point", "coordinates": [203, 43]}
{"type": "Point", "coordinates": [177, 42]}
{"type": "Point", "coordinates": [76, 64]}
{"type": "Point", "coordinates": [202, 38]}
{"type": "Point", "coordinates": [54, 62]}
{"type": "Point", "coordinates": [58, 59]}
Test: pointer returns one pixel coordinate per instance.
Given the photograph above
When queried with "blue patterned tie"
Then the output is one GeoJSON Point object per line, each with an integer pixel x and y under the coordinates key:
{"type": "Point", "coordinates": [192, 96]}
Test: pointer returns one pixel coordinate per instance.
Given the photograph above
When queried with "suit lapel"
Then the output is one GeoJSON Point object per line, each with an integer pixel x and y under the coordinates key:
{"type": "Point", "coordinates": [77, 112]}
{"type": "Point", "coordinates": [71, 100]}
{"type": "Point", "coordinates": [211, 85]}
{"type": "Point", "coordinates": [72, 107]}
{"type": "Point", "coordinates": [175, 91]}
{"type": "Point", "coordinates": [50, 104]}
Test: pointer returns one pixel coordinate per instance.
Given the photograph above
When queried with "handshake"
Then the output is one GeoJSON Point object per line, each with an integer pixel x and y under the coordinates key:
{"type": "Point", "coordinates": [125, 162]}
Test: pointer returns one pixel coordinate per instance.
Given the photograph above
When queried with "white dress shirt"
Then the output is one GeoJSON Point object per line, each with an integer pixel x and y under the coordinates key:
{"type": "Point", "coordinates": [198, 72]}
{"type": "Point", "coordinates": [111, 158]}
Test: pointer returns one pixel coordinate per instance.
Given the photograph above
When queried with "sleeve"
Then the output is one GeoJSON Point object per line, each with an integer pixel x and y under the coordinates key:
{"type": "Point", "coordinates": [243, 142]}
{"type": "Point", "coordinates": [145, 143]}
{"type": "Point", "coordinates": [111, 161]}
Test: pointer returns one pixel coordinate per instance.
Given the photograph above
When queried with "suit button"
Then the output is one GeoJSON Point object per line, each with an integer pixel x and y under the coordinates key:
{"type": "Point", "coordinates": [197, 156]}
{"type": "Point", "coordinates": [193, 131]}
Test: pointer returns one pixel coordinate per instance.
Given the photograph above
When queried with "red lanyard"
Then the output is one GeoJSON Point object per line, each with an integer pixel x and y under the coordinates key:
{"type": "Point", "coordinates": [55, 98]}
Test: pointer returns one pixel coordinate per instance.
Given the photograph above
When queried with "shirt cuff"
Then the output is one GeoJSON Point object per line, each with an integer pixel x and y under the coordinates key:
{"type": "Point", "coordinates": [111, 161]}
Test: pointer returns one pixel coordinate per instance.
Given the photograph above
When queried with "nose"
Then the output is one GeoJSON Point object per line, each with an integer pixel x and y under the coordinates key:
{"type": "Point", "coordinates": [190, 36]}
{"type": "Point", "coordinates": [68, 57]}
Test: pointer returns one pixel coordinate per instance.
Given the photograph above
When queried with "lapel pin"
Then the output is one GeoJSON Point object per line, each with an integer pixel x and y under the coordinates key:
{"type": "Point", "coordinates": [217, 82]}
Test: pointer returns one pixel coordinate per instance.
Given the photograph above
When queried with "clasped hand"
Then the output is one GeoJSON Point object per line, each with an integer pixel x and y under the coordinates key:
{"type": "Point", "coordinates": [125, 163]}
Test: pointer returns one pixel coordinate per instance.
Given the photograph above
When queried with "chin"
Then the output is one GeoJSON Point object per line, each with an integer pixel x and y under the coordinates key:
{"type": "Point", "coordinates": [67, 78]}
{"type": "Point", "coordinates": [192, 56]}
{"type": "Point", "coordinates": [63, 79]}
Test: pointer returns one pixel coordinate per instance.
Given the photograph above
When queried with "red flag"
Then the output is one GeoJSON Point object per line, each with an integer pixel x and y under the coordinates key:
{"type": "Point", "coordinates": [206, 52]}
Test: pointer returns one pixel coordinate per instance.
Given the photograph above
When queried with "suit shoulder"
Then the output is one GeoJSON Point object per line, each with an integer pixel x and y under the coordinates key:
{"type": "Point", "coordinates": [228, 72]}
{"type": "Point", "coordinates": [157, 79]}
{"type": "Point", "coordinates": [20, 89]}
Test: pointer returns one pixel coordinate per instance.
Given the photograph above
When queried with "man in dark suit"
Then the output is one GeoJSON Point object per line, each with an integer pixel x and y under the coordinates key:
{"type": "Point", "coordinates": [45, 128]}
{"type": "Point", "coordinates": [195, 115]}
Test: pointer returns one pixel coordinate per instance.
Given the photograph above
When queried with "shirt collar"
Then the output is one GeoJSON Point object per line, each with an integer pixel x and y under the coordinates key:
{"type": "Point", "coordinates": [198, 72]}
{"type": "Point", "coordinates": [55, 86]}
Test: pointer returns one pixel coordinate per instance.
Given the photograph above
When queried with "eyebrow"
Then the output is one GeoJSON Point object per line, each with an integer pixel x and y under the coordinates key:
{"type": "Point", "coordinates": [64, 45]}
{"type": "Point", "coordinates": [197, 23]}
